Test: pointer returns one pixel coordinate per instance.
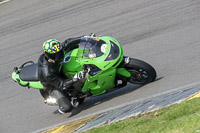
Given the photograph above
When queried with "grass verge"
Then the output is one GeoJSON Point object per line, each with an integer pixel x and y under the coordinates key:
{"type": "Point", "coordinates": [1, 0]}
{"type": "Point", "coordinates": [178, 118]}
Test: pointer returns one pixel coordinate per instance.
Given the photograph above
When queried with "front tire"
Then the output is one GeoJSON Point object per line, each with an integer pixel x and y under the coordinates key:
{"type": "Point", "coordinates": [141, 72]}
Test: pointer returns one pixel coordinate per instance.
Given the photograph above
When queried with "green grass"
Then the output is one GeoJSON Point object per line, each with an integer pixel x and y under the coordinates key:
{"type": "Point", "coordinates": [178, 118]}
{"type": "Point", "coordinates": [1, 0]}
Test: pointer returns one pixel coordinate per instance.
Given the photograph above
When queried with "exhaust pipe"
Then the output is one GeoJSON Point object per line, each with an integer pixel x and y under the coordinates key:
{"type": "Point", "coordinates": [51, 101]}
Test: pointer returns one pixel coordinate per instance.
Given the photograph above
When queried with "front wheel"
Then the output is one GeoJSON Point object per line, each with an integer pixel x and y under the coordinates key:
{"type": "Point", "coordinates": [141, 72]}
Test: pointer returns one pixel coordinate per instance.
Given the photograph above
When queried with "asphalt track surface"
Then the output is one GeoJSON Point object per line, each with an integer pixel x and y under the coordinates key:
{"type": "Point", "coordinates": [166, 34]}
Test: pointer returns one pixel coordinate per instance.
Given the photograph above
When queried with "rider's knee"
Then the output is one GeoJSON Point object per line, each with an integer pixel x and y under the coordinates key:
{"type": "Point", "coordinates": [64, 105]}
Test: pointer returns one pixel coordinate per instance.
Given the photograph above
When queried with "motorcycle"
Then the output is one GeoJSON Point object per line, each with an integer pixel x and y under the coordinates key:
{"type": "Point", "coordinates": [105, 66]}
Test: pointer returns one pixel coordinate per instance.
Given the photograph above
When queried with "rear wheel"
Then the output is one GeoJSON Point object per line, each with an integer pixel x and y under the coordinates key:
{"type": "Point", "coordinates": [141, 72]}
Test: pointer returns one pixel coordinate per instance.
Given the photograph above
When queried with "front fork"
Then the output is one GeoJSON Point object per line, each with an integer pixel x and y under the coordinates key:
{"type": "Point", "coordinates": [122, 72]}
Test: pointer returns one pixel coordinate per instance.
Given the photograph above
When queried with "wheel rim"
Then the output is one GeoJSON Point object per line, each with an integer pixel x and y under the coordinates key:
{"type": "Point", "coordinates": [138, 76]}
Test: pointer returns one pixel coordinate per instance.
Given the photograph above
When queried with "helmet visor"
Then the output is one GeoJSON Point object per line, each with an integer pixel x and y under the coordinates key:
{"type": "Point", "coordinates": [58, 57]}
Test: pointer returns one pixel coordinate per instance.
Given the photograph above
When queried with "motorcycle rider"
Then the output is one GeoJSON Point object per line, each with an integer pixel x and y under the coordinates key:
{"type": "Point", "coordinates": [49, 72]}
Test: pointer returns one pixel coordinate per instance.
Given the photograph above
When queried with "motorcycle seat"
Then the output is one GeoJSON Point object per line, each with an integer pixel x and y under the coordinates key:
{"type": "Point", "coordinates": [29, 73]}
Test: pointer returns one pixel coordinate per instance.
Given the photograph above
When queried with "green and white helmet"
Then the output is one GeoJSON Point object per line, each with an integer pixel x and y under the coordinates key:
{"type": "Point", "coordinates": [53, 50]}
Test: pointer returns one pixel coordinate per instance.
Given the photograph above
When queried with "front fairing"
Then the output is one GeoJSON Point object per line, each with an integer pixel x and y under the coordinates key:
{"type": "Point", "coordinates": [102, 52]}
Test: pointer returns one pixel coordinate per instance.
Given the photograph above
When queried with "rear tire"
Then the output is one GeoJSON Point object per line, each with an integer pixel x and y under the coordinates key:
{"type": "Point", "coordinates": [141, 72]}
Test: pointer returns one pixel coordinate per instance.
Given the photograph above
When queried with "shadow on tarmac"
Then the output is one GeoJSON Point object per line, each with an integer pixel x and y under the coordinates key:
{"type": "Point", "coordinates": [96, 100]}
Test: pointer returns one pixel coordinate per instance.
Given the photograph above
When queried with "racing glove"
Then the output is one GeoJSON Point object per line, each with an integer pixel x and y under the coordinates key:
{"type": "Point", "coordinates": [68, 82]}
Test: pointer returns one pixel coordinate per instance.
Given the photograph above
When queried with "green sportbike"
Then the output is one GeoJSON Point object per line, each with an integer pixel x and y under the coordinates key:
{"type": "Point", "coordinates": [106, 69]}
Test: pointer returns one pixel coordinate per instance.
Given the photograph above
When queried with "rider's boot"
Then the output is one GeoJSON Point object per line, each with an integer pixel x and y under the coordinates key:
{"type": "Point", "coordinates": [63, 102]}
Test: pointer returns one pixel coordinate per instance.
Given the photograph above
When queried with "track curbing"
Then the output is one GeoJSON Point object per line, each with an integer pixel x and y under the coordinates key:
{"type": "Point", "coordinates": [127, 111]}
{"type": "Point", "coordinates": [197, 95]}
{"type": "Point", "coordinates": [71, 127]}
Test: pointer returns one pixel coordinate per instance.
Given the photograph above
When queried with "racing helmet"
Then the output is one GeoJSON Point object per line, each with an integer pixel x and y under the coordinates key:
{"type": "Point", "coordinates": [53, 50]}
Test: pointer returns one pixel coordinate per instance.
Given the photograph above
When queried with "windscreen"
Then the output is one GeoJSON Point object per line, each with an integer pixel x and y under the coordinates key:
{"type": "Point", "coordinates": [92, 47]}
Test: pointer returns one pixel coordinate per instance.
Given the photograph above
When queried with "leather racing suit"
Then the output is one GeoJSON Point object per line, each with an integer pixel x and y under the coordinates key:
{"type": "Point", "coordinates": [52, 80]}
